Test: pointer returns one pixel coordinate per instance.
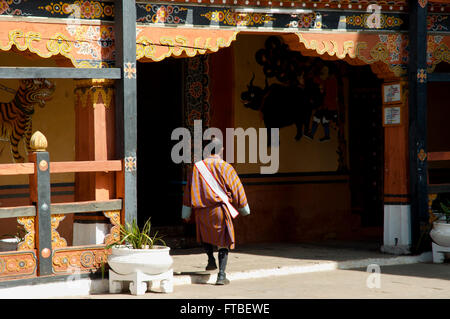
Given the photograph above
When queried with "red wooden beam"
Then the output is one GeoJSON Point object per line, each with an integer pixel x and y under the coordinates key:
{"type": "Point", "coordinates": [438, 156]}
{"type": "Point", "coordinates": [17, 169]}
{"type": "Point", "coordinates": [85, 166]}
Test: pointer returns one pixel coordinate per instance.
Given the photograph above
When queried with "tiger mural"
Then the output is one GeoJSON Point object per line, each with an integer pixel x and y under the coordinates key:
{"type": "Point", "coordinates": [16, 115]}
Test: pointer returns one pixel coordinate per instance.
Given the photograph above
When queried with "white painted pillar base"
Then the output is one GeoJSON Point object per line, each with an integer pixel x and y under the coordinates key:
{"type": "Point", "coordinates": [397, 229]}
{"type": "Point", "coordinates": [87, 233]}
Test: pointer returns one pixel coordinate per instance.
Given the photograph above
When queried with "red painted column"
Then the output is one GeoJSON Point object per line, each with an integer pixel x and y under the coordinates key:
{"type": "Point", "coordinates": [95, 129]}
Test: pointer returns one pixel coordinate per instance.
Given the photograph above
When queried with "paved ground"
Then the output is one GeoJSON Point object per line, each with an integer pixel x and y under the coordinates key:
{"type": "Point", "coordinates": [418, 281]}
{"type": "Point", "coordinates": [278, 271]}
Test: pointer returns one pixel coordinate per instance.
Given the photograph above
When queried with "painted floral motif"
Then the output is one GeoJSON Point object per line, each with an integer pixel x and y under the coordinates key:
{"type": "Point", "coordinates": [422, 3]}
{"type": "Point", "coordinates": [195, 89]}
{"type": "Point", "coordinates": [437, 50]}
{"type": "Point", "coordinates": [114, 234]}
{"type": "Point", "coordinates": [17, 264]}
{"type": "Point", "coordinates": [3, 6]}
{"type": "Point", "coordinates": [57, 240]}
{"type": "Point", "coordinates": [197, 97]}
{"type": "Point", "coordinates": [162, 14]}
{"type": "Point", "coordinates": [130, 164]}
{"type": "Point", "coordinates": [130, 70]}
{"type": "Point", "coordinates": [386, 21]}
{"type": "Point", "coordinates": [81, 9]}
{"type": "Point", "coordinates": [393, 44]}
{"type": "Point", "coordinates": [436, 22]}
{"type": "Point", "coordinates": [6, 7]}
{"type": "Point", "coordinates": [79, 260]}
{"type": "Point", "coordinates": [303, 21]}
{"type": "Point", "coordinates": [422, 78]}
{"type": "Point", "coordinates": [229, 17]}
{"type": "Point", "coordinates": [97, 42]}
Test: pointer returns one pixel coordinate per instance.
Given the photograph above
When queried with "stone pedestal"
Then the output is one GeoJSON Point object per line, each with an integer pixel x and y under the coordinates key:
{"type": "Point", "coordinates": [439, 253]}
{"type": "Point", "coordinates": [140, 282]}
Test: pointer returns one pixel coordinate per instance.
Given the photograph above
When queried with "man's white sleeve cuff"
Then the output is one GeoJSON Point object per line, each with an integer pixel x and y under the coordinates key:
{"type": "Point", "coordinates": [186, 212]}
{"type": "Point", "coordinates": [245, 210]}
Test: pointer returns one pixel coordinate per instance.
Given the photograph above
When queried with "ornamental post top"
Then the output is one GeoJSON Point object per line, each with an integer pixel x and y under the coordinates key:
{"type": "Point", "coordinates": [38, 142]}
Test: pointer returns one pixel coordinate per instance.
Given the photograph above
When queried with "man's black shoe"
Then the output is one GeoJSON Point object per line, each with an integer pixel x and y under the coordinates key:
{"type": "Point", "coordinates": [222, 279]}
{"type": "Point", "coordinates": [211, 265]}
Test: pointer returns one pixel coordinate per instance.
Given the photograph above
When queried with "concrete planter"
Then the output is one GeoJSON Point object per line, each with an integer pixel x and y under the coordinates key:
{"type": "Point", "coordinates": [125, 260]}
{"type": "Point", "coordinates": [441, 233]}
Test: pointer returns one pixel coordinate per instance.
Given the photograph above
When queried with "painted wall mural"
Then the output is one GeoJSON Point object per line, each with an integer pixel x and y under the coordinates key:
{"type": "Point", "coordinates": [307, 92]}
{"type": "Point", "coordinates": [16, 115]}
{"type": "Point", "coordinates": [303, 96]}
{"type": "Point", "coordinates": [293, 99]}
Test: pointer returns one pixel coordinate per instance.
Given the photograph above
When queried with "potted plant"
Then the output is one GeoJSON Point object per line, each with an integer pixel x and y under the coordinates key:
{"type": "Point", "coordinates": [139, 257]}
{"type": "Point", "coordinates": [441, 227]}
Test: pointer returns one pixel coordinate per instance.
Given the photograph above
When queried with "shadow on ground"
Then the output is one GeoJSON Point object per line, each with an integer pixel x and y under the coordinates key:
{"type": "Point", "coordinates": [423, 270]}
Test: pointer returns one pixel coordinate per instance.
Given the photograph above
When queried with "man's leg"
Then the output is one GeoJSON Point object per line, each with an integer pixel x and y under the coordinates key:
{"type": "Point", "coordinates": [223, 258]}
{"type": "Point", "coordinates": [326, 129]}
{"type": "Point", "coordinates": [315, 125]}
{"type": "Point", "coordinates": [209, 249]}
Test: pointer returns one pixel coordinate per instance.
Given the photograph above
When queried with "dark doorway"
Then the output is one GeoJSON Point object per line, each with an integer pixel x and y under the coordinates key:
{"type": "Point", "coordinates": [366, 146]}
{"type": "Point", "coordinates": [160, 105]}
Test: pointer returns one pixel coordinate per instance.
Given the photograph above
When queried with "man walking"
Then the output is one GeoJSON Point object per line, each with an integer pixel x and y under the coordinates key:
{"type": "Point", "coordinates": [215, 195]}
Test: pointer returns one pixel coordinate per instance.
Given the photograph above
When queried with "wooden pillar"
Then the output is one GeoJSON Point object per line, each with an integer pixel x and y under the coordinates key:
{"type": "Point", "coordinates": [95, 129]}
{"type": "Point", "coordinates": [126, 104]}
{"type": "Point", "coordinates": [397, 214]}
{"type": "Point", "coordinates": [417, 78]}
{"type": "Point", "coordinates": [40, 196]}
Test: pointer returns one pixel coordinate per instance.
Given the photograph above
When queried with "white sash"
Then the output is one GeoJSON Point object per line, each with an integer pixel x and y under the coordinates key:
{"type": "Point", "coordinates": [215, 187]}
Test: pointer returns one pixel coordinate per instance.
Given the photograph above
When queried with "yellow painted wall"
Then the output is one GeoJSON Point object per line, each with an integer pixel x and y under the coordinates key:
{"type": "Point", "coordinates": [295, 156]}
{"type": "Point", "coordinates": [56, 120]}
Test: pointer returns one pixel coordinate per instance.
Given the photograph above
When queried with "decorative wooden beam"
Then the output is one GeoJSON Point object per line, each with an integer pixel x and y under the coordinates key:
{"type": "Point", "coordinates": [20, 211]}
{"type": "Point", "coordinates": [86, 166]}
{"type": "Point", "coordinates": [58, 73]}
{"type": "Point", "coordinates": [126, 103]}
{"type": "Point", "coordinates": [417, 76]}
{"type": "Point", "coordinates": [438, 156]}
{"type": "Point", "coordinates": [439, 188]}
{"type": "Point", "coordinates": [86, 207]}
{"type": "Point", "coordinates": [439, 77]}
{"type": "Point", "coordinates": [16, 169]}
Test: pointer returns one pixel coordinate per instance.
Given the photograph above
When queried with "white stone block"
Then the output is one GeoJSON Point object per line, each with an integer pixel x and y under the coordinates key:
{"type": "Point", "coordinates": [397, 229]}
{"type": "Point", "coordinates": [90, 233]}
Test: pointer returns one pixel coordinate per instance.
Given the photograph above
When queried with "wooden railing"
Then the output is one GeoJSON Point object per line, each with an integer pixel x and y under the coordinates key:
{"type": "Point", "coordinates": [43, 252]}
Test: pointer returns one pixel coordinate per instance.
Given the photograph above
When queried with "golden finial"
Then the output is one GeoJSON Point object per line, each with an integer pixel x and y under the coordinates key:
{"type": "Point", "coordinates": [38, 142]}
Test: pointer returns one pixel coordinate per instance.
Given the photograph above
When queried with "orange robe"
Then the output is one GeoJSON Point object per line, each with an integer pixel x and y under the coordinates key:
{"type": "Point", "coordinates": [213, 221]}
